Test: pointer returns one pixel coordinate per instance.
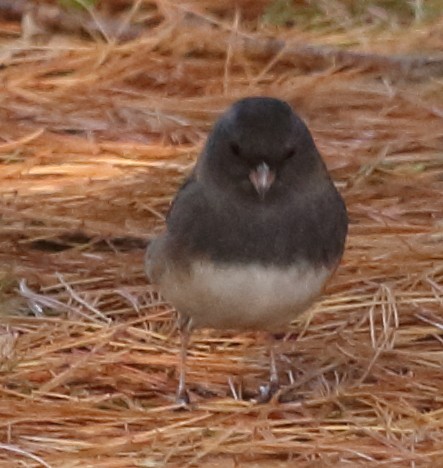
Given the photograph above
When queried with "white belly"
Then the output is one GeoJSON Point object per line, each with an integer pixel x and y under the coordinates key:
{"type": "Point", "coordinates": [246, 297]}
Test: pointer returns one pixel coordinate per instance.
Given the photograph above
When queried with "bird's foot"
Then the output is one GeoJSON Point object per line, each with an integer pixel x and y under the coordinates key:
{"type": "Point", "coordinates": [267, 392]}
{"type": "Point", "coordinates": [182, 399]}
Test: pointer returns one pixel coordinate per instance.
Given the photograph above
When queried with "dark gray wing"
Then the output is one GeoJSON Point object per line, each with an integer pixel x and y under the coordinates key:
{"type": "Point", "coordinates": [158, 251]}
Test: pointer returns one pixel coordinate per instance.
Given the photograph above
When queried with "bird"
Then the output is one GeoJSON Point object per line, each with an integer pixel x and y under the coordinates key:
{"type": "Point", "coordinates": [254, 232]}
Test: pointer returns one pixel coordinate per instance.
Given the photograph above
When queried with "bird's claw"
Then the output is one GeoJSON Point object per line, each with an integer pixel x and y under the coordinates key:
{"type": "Point", "coordinates": [182, 398]}
{"type": "Point", "coordinates": [267, 392]}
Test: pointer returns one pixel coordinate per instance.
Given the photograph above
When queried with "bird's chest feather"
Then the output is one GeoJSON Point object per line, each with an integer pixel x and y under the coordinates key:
{"type": "Point", "coordinates": [281, 236]}
{"type": "Point", "coordinates": [248, 296]}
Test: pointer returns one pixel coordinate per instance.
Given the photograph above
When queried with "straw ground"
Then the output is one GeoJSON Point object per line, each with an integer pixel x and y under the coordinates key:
{"type": "Point", "coordinates": [100, 123]}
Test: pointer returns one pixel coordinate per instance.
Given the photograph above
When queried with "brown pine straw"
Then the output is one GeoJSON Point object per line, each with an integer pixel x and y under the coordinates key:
{"type": "Point", "coordinates": [96, 136]}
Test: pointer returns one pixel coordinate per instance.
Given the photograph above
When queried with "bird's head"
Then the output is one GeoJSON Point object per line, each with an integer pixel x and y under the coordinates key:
{"type": "Point", "coordinates": [258, 149]}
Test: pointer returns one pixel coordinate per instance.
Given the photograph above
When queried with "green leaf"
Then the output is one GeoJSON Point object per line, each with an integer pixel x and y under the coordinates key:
{"type": "Point", "coordinates": [78, 4]}
{"type": "Point", "coordinates": [279, 13]}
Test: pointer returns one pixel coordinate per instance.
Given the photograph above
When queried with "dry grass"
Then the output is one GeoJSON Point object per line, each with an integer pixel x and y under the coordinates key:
{"type": "Point", "coordinates": [95, 137]}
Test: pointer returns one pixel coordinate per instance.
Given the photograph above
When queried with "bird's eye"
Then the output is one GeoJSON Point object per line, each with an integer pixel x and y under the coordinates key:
{"type": "Point", "coordinates": [289, 154]}
{"type": "Point", "coordinates": [235, 148]}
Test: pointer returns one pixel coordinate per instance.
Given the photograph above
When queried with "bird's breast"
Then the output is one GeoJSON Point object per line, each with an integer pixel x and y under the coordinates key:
{"type": "Point", "coordinates": [248, 296]}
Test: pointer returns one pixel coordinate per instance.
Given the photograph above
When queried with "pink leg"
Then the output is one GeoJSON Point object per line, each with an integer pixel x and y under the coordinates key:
{"type": "Point", "coordinates": [269, 390]}
{"type": "Point", "coordinates": [185, 334]}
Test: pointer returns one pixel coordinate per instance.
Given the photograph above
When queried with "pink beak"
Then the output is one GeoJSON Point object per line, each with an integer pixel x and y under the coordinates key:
{"type": "Point", "coordinates": [262, 178]}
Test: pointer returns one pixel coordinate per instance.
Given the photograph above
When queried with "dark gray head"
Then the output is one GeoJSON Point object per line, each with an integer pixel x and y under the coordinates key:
{"type": "Point", "coordinates": [258, 149]}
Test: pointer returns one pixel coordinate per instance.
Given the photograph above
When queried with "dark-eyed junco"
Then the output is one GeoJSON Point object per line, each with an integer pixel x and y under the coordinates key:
{"type": "Point", "coordinates": [254, 232]}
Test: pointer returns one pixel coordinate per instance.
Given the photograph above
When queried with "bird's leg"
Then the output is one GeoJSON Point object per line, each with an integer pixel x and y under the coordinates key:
{"type": "Point", "coordinates": [269, 390]}
{"type": "Point", "coordinates": [185, 334]}
{"type": "Point", "coordinates": [274, 381]}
